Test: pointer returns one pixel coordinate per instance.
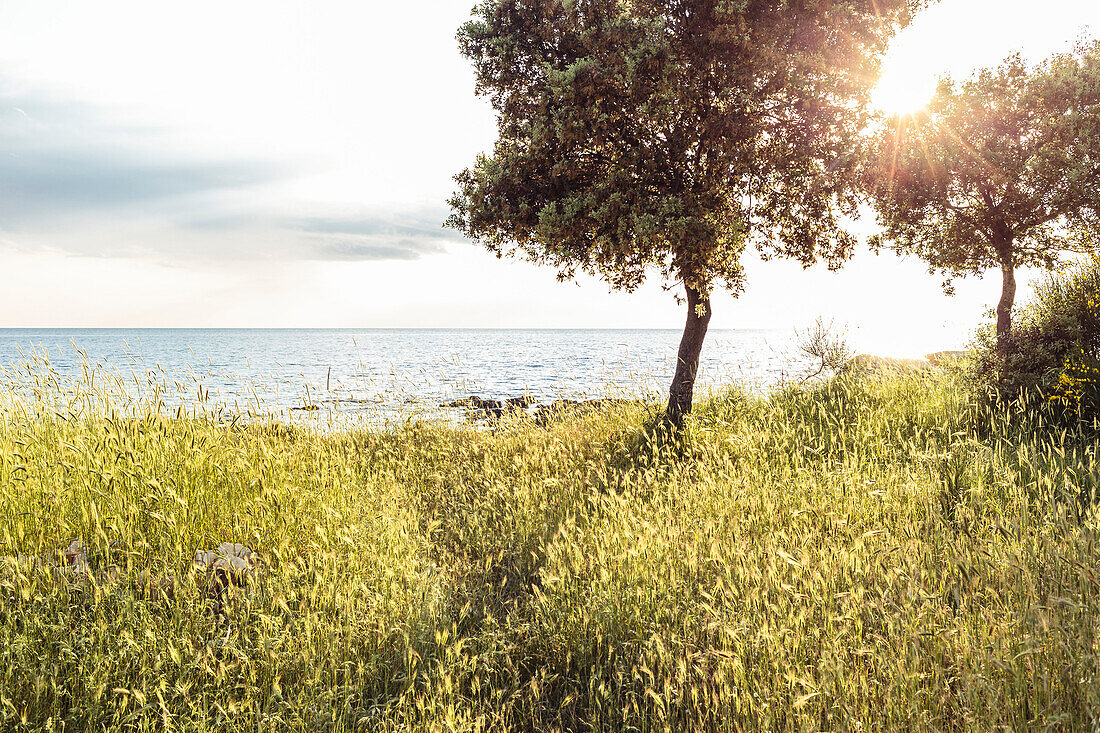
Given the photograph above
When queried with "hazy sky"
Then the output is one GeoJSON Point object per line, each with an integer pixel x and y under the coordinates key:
{"type": "Point", "coordinates": [286, 164]}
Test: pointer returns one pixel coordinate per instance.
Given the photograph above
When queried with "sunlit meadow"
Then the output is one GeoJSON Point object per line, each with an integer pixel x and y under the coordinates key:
{"type": "Point", "coordinates": [857, 554]}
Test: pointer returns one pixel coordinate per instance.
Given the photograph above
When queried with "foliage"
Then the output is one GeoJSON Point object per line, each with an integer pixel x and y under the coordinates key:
{"type": "Point", "coordinates": [1054, 351]}
{"type": "Point", "coordinates": [661, 134]}
{"type": "Point", "coordinates": [823, 344]}
{"type": "Point", "coordinates": [852, 556]}
{"type": "Point", "coordinates": [1001, 171]}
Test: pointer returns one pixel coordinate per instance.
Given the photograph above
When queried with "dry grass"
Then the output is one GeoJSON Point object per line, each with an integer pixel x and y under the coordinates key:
{"type": "Point", "coordinates": [860, 555]}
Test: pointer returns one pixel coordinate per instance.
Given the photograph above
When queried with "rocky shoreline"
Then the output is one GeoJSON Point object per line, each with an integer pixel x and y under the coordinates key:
{"type": "Point", "coordinates": [480, 409]}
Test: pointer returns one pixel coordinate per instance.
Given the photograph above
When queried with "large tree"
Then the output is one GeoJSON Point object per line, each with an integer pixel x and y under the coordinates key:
{"type": "Point", "coordinates": [1000, 171]}
{"type": "Point", "coordinates": [669, 134]}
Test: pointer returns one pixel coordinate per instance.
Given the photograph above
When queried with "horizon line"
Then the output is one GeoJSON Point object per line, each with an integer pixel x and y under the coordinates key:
{"type": "Point", "coordinates": [381, 328]}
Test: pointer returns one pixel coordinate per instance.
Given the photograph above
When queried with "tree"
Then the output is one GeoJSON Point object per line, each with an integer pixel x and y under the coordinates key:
{"type": "Point", "coordinates": [1000, 171]}
{"type": "Point", "coordinates": [639, 135]}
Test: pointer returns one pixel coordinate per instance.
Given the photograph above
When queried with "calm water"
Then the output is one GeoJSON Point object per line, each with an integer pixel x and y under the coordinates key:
{"type": "Point", "coordinates": [349, 371]}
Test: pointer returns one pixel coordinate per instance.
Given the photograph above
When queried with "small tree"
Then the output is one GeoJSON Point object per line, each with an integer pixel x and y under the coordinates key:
{"type": "Point", "coordinates": [668, 134]}
{"type": "Point", "coordinates": [825, 346]}
{"type": "Point", "coordinates": [1053, 353]}
{"type": "Point", "coordinates": [1000, 171]}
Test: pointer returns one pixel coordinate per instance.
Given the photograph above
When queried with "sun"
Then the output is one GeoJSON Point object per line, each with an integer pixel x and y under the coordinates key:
{"type": "Point", "coordinates": [907, 82]}
{"type": "Point", "coordinates": [903, 90]}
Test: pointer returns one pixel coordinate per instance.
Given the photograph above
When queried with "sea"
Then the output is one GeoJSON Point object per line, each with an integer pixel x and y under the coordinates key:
{"type": "Point", "coordinates": [320, 373]}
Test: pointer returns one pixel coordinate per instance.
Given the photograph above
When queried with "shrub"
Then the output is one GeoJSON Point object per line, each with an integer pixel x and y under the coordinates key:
{"type": "Point", "coordinates": [824, 346]}
{"type": "Point", "coordinates": [1054, 349]}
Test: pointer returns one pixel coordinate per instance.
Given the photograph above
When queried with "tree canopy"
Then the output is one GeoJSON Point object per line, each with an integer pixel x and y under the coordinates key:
{"type": "Point", "coordinates": [1002, 170]}
{"type": "Point", "coordinates": [668, 135]}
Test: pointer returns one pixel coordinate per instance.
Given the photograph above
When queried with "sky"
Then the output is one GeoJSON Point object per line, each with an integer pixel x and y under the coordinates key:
{"type": "Point", "coordinates": [287, 164]}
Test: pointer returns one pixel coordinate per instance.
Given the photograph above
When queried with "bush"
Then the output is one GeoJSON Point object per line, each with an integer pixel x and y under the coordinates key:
{"type": "Point", "coordinates": [824, 346]}
{"type": "Point", "coordinates": [1054, 349]}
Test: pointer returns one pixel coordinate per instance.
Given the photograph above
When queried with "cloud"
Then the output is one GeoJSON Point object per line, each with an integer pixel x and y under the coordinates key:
{"type": "Point", "coordinates": [47, 184]}
{"type": "Point", "coordinates": [62, 159]}
{"type": "Point", "coordinates": [422, 223]}
{"type": "Point", "coordinates": [75, 180]}
{"type": "Point", "coordinates": [352, 250]}
{"type": "Point", "coordinates": [394, 235]}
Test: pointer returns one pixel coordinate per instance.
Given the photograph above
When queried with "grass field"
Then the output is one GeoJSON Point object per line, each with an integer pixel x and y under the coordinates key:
{"type": "Point", "coordinates": [857, 555]}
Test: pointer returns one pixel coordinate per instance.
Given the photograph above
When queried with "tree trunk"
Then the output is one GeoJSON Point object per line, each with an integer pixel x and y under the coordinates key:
{"type": "Point", "coordinates": [1004, 307]}
{"type": "Point", "coordinates": [687, 360]}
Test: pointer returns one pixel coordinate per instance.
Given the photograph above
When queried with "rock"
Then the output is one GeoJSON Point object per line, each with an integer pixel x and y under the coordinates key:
{"type": "Point", "coordinates": [486, 414]}
{"type": "Point", "coordinates": [97, 567]}
{"type": "Point", "coordinates": [475, 402]}
{"type": "Point", "coordinates": [479, 409]}
{"type": "Point", "coordinates": [74, 561]}
{"type": "Point", "coordinates": [68, 564]}
{"type": "Point", "coordinates": [560, 408]}
{"type": "Point", "coordinates": [231, 568]}
{"type": "Point", "coordinates": [471, 401]}
{"type": "Point", "coordinates": [232, 564]}
{"type": "Point", "coordinates": [234, 567]}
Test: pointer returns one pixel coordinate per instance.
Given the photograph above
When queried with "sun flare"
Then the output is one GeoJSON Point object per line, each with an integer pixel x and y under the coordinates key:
{"type": "Point", "coordinates": [898, 98]}
{"type": "Point", "coordinates": [906, 84]}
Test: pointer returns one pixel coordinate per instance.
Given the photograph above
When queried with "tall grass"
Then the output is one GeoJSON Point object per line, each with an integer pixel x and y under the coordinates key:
{"type": "Point", "coordinates": [857, 555]}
